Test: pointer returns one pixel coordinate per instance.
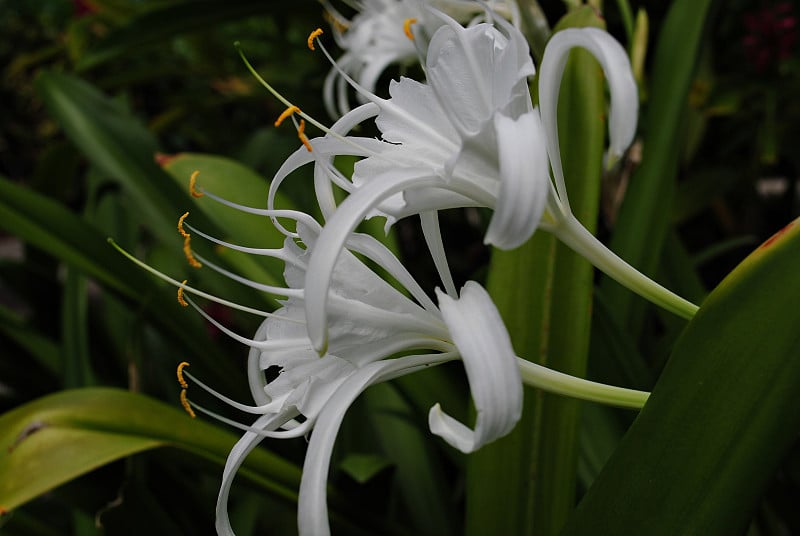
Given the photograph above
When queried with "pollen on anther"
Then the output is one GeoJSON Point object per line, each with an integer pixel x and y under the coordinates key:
{"type": "Point", "coordinates": [181, 300]}
{"type": "Point", "coordinates": [301, 128]}
{"type": "Point", "coordinates": [407, 27]}
{"type": "Point", "coordinates": [182, 365]}
{"type": "Point", "coordinates": [286, 113]}
{"type": "Point", "coordinates": [186, 405]}
{"type": "Point", "coordinates": [313, 35]}
{"type": "Point", "coordinates": [193, 184]}
{"type": "Point", "coordinates": [187, 251]}
{"type": "Point", "coordinates": [180, 225]}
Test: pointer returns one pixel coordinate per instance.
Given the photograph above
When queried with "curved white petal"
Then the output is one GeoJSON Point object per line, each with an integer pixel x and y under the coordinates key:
{"type": "Point", "coordinates": [333, 237]}
{"type": "Point", "coordinates": [491, 364]}
{"type": "Point", "coordinates": [524, 180]}
{"type": "Point", "coordinates": [312, 511]}
{"type": "Point", "coordinates": [239, 452]}
{"type": "Point", "coordinates": [624, 108]}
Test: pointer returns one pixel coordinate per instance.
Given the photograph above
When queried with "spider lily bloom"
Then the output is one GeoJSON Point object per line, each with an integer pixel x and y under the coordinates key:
{"type": "Point", "coordinates": [386, 32]}
{"type": "Point", "coordinates": [470, 137]}
{"type": "Point", "coordinates": [372, 327]}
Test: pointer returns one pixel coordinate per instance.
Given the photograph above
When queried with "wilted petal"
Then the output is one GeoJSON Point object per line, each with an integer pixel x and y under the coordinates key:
{"type": "Point", "coordinates": [481, 338]}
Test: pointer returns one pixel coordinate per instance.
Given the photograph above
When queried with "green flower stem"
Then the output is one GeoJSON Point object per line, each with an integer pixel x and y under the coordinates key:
{"type": "Point", "coordinates": [559, 383]}
{"type": "Point", "coordinates": [574, 235]}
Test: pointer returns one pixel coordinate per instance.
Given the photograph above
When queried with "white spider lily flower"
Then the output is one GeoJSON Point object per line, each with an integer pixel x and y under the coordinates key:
{"type": "Point", "coordinates": [470, 136]}
{"type": "Point", "coordinates": [372, 326]}
{"type": "Point", "coordinates": [386, 32]}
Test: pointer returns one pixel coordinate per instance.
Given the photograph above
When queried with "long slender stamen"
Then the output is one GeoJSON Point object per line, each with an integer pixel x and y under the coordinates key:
{"type": "Point", "coordinates": [187, 288]}
{"type": "Point", "coordinates": [272, 289]}
{"type": "Point", "coordinates": [276, 344]}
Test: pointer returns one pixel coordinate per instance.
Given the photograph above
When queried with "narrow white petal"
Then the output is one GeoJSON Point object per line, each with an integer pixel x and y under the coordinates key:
{"type": "Point", "coordinates": [622, 88]}
{"type": "Point", "coordinates": [433, 237]}
{"type": "Point", "coordinates": [524, 180]}
{"type": "Point", "coordinates": [333, 238]}
{"type": "Point", "coordinates": [238, 453]}
{"type": "Point", "coordinates": [312, 511]}
{"type": "Point", "coordinates": [491, 364]}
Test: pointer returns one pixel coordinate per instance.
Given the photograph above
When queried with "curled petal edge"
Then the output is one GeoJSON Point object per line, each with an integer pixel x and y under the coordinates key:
{"type": "Point", "coordinates": [491, 364]}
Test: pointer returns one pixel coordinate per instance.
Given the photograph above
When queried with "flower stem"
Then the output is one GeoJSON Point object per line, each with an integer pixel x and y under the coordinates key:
{"type": "Point", "coordinates": [559, 383]}
{"type": "Point", "coordinates": [574, 235]}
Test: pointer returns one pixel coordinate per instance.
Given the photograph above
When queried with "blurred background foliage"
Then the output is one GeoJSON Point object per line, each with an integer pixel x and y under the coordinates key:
{"type": "Point", "coordinates": [107, 107]}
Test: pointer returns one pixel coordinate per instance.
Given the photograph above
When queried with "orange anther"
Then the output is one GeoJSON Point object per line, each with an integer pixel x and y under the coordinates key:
{"type": "Point", "coordinates": [313, 35]}
{"type": "Point", "coordinates": [193, 183]}
{"type": "Point", "coordinates": [286, 113]}
{"type": "Point", "coordinates": [187, 251]}
{"type": "Point", "coordinates": [181, 300]}
{"type": "Point", "coordinates": [186, 405]}
{"type": "Point", "coordinates": [407, 27]}
{"type": "Point", "coordinates": [182, 365]}
{"type": "Point", "coordinates": [301, 129]}
{"type": "Point", "coordinates": [180, 225]}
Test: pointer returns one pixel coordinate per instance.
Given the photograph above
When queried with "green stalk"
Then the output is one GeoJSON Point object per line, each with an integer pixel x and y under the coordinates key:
{"type": "Point", "coordinates": [525, 483]}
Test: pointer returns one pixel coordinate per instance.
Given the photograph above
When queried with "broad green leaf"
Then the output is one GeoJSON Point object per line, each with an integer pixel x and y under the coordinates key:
{"type": "Point", "coordinates": [56, 230]}
{"type": "Point", "coordinates": [57, 438]}
{"type": "Point", "coordinates": [525, 483]}
{"type": "Point", "coordinates": [118, 144]}
{"type": "Point", "coordinates": [721, 416]}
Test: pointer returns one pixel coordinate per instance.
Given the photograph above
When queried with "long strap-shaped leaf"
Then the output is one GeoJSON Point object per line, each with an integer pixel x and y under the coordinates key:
{"type": "Point", "coordinates": [59, 437]}
{"type": "Point", "coordinates": [720, 418]}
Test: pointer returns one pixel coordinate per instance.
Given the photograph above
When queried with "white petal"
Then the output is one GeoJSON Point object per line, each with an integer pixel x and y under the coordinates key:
{"type": "Point", "coordinates": [312, 511]}
{"type": "Point", "coordinates": [524, 180]}
{"type": "Point", "coordinates": [239, 452]}
{"type": "Point", "coordinates": [622, 88]}
{"type": "Point", "coordinates": [333, 238]}
{"type": "Point", "coordinates": [494, 379]}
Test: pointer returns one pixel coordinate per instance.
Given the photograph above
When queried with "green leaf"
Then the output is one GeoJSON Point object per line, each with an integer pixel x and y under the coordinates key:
{"type": "Point", "coordinates": [362, 467]}
{"type": "Point", "coordinates": [525, 483]}
{"type": "Point", "coordinates": [57, 438]}
{"type": "Point", "coordinates": [56, 230]}
{"type": "Point", "coordinates": [118, 144]}
{"type": "Point", "coordinates": [720, 418]}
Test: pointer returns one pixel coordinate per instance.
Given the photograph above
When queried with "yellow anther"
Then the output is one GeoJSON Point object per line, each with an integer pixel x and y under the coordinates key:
{"type": "Point", "coordinates": [301, 133]}
{"type": "Point", "coordinates": [313, 35]}
{"type": "Point", "coordinates": [286, 113]}
{"type": "Point", "coordinates": [187, 251]}
{"type": "Point", "coordinates": [180, 225]}
{"type": "Point", "coordinates": [186, 405]}
{"type": "Point", "coordinates": [182, 365]}
{"type": "Point", "coordinates": [193, 183]}
{"type": "Point", "coordinates": [180, 297]}
{"type": "Point", "coordinates": [407, 27]}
